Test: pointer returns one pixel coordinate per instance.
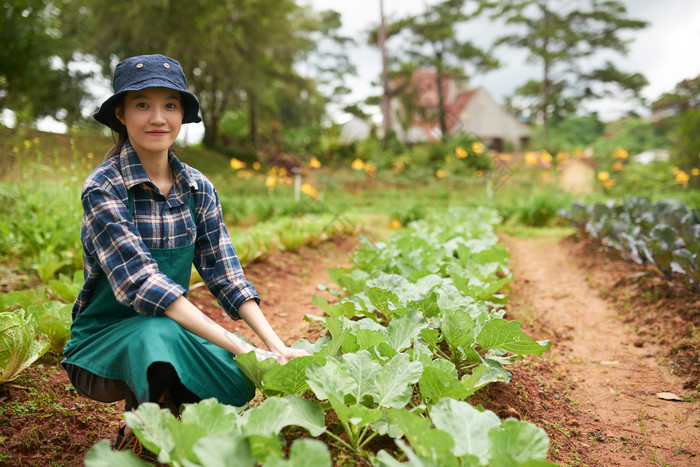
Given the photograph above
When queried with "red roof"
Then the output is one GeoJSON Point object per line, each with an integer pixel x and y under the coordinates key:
{"type": "Point", "coordinates": [424, 82]}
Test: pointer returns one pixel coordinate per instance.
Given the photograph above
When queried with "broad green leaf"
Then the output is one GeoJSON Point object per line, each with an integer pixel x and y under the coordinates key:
{"type": "Point", "coordinates": [303, 453]}
{"type": "Point", "coordinates": [431, 336]}
{"type": "Point", "coordinates": [428, 306]}
{"type": "Point", "coordinates": [22, 299]}
{"type": "Point", "coordinates": [428, 442]}
{"type": "Point", "coordinates": [384, 300]}
{"type": "Point", "coordinates": [53, 320]}
{"type": "Point", "coordinates": [367, 339]}
{"type": "Point", "coordinates": [312, 348]}
{"type": "Point", "coordinates": [393, 384]}
{"type": "Point", "coordinates": [384, 426]}
{"type": "Point", "coordinates": [450, 298]}
{"type": "Point", "coordinates": [482, 375]}
{"type": "Point", "coordinates": [436, 384]}
{"type": "Point", "coordinates": [358, 415]}
{"type": "Point", "coordinates": [363, 371]}
{"type": "Point", "coordinates": [253, 369]}
{"type": "Point", "coordinates": [458, 330]}
{"type": "Point", "coordinates": [521, 440]}
{"type": "Point", "coordinates": [507, 335]}
{"type": "Point", "coordinates": [401, 332]}
{"type": "Point", "coordinates": [275, 413]}
{"type": "Point", "coordinates": [347, 284]}
{"type": "Point", "coordinates": [102, 455]}
{"type": "Point", "coordinates": [331, 378]}
{"type": "Point", "coordinates": [342, 308]}
{"type": "Point", "coordinates": [414, 460]}
{"type": "Point", "coordinates": [151, 424]}
{"type": "Point", "coordinates": [217, 418]}
{"type": "Point", "coordinates": [289, 378]}
{"type": "Point", "coordinates": [218, 450]}
{"type": "Point", "coordinates": [468, 427]}
{"type": "Point", "coordinates": [19, 344]}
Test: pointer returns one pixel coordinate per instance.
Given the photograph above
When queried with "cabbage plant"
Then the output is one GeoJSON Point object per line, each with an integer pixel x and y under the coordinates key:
{"type": "Point", "coordinates": [19, 344]}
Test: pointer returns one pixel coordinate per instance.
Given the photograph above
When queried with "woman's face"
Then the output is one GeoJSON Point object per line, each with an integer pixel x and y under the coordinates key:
{"type": "Point", "coordinates": [153, 118]}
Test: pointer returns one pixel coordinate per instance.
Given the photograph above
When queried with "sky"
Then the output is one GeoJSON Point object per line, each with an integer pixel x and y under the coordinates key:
{"type": "Point", "coordinates": [666, 52]}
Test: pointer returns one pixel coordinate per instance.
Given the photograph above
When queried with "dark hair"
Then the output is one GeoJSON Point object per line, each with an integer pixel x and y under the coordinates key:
{"type": "Point", "coordinates": [119, 135]}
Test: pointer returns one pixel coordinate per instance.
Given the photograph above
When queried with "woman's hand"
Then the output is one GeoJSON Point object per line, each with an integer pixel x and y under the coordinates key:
{"type": "Point", "coordinates": [289, 353]}
{"type": "Point", "coordinates": [282, 356]}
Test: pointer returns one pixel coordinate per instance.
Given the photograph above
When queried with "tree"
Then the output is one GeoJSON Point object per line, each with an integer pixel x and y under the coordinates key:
{"type": "Point", "coordinates": [680, 118]}
{"type": "Point", "coordinates": [562, 36]}
{"type": "Point", "coordinates": [433, 43]}
{"type": "Point", "coordinates": [231, 51]}
{"type": "Point", "coordinates": [35, 57]}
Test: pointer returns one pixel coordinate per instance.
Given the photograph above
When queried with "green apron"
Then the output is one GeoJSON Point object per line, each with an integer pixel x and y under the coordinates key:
{"type": "Point", "coordinates": [113, 341]}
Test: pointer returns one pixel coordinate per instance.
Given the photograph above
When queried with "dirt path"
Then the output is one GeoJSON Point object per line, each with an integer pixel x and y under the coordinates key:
{"type": "Point", "coordinates": [613, 374]}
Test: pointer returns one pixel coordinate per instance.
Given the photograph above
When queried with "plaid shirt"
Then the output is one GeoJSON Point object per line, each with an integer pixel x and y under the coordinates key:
{"type": "Point", "coordinates": [115, 244]}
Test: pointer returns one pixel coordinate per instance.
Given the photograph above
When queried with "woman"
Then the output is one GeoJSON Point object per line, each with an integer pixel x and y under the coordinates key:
{"type": "Point", "coordinates": [148, 218]}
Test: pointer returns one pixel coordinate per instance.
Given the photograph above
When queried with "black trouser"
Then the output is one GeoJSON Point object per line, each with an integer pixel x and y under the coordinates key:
{"type": "Point", "coordinates": [163, 381]}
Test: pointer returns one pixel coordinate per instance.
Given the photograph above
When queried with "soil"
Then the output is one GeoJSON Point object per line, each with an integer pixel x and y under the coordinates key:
{"type": "Point", "coordinates": [619, 337]}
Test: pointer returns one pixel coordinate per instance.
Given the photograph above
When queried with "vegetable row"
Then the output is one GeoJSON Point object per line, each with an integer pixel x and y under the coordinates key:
{"type": "Point", "coordinates": [665, 234]}
{"type": "Point", "coordinates": [417, 328]}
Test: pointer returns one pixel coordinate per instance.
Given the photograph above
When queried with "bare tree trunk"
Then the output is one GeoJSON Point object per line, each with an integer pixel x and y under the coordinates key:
{"type": "Point", "coordinates": [386, 96]}
{"type": "Point", "coordinates": [441, 98]}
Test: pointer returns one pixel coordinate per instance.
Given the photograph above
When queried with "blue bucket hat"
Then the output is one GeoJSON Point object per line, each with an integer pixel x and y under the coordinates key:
{"type": "Point", "coordinates": [148, 71]}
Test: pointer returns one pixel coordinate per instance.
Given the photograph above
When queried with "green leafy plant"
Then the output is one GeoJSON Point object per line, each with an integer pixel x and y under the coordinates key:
{"type": "Point", "coordinates": [53, 320]}
{"type": "Point", "coordinates": [19, 344]}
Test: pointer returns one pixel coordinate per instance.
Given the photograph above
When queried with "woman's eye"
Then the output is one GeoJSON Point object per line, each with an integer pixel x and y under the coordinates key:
{"type": "Point", "coordinates": [171, 106]}
{"type": "Point", "coordinates": [141, 105]}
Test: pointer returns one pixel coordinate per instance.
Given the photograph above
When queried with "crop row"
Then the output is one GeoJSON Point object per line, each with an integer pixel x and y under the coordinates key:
{"type": "Point", "coordinates": [418, 327]}
{"type": "Point", "coordinates": [665, 234]}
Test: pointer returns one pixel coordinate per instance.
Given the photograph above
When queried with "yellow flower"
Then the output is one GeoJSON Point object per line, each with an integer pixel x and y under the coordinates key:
{"type": "Point", "coordinates": [309, 191]}
{"type": "Point", "coordinates": [479, 173]}
{"type": "Point", "coordinates": [682, 178]}
{"type": "Point", "coordinates": [531, 159]}
{"type": "Point", "coordinates": [561, 157]}
{"type": "Point", "coordinates": [15, 149]}
{"type": "Point", "coordinates": [461, 153]}
{"type": "Point", "coordinates": [395, 224]}
{"type": "Point", "coordinates": [441, 173]}
{"type": "Point", "coordinates": [314, 163]}
{"type": "Point", "coordinates": [620, 153]}
{"type": "Point", "coordinates": [603, 176]}
{"type": "Point", "coordinates": [36, 140]}
{"type": "Point", "coordinates": [236, 164]}
{"type": "Point", "coordinates": [271, 181]}
{"type": "Point", "coordinates": [370, 169]}
{"type": "Point", "coordinates": [256, 166]}
{"type": "Point", "coordinates": [27, 144]}
{"type": "Point", "coordinates": [695, 171]}
{"type": "Point", "coordinates": [617, 166]}
{"type": "Point", "coordinates": [609, 183]}
{"type": "Point", "coordinates": [478, 148]}
{"type": "Point", "coordinates": [358, 164]}
{"type": "Point", "coordinates": [244, 174]}
{"type": "Point", "coordinates": [90, 155]}
{"type": "Point", "coordinates": [545, 156]}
